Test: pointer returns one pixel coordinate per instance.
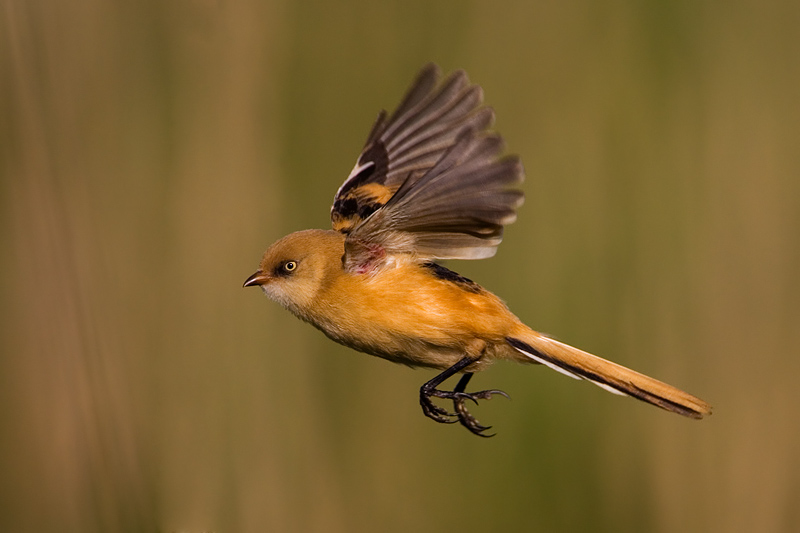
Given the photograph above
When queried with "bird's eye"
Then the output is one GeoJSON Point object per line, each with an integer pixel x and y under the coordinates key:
{"type": "Point", "coordinates": [289, 266]}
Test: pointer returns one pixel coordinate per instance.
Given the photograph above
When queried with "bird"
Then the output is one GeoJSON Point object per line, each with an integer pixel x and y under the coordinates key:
{"type": "Point", "coordinates": [431, 184]}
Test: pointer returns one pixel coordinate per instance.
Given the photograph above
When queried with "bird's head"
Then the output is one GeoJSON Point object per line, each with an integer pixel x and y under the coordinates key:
{"type": "Point", "coordinates": [295, 268]}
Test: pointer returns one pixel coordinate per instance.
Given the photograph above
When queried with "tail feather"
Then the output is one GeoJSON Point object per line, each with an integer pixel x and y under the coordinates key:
{"type": "Point", "coordinates": [607, 375]}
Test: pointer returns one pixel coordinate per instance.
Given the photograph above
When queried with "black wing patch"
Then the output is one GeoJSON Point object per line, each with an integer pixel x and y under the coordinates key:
{"type": "Point", "coordinates": [448, 275]}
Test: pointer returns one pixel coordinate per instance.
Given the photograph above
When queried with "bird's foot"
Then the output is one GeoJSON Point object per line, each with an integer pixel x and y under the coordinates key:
{"type": "Point", "coordinates": [458, 397]}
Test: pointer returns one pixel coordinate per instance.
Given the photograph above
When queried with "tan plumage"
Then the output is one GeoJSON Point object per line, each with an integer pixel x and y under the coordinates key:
{"type": "Point", "coordinates": [430, 184]}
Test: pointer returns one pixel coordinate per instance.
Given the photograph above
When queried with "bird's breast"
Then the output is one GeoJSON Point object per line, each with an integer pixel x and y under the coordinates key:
{"type": "Point", "coordinates": [406, 314]}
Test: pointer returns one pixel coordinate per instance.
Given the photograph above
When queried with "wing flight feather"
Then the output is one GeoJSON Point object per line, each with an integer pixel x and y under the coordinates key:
{"type": "Point", "coordinates": [430, 180]}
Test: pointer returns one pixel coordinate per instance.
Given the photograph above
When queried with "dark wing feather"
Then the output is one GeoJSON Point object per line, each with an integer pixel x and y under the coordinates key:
{"type": "Point", "coordinates": [430, 180]}
{"type": "Point", "coordinates": [457, 210]}
{"type": "Point", "coordinates": [408, 143]}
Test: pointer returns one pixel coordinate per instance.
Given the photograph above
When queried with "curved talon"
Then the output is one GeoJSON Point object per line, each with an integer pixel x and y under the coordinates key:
{"type": "Point", "coordinates": [487, 394]}
{"type": "Point", "coordinates": [459, 397]}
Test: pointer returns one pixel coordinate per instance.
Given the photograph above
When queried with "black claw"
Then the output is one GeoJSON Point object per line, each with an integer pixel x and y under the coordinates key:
{"type": "Point", "coordinates": [458, 396]}
{"type": "Point", "coordinates": [486, 395]}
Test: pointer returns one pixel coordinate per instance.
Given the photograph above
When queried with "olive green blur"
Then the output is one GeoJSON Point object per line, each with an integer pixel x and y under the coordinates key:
{"type": "Point", "coordinates": [150, 151]}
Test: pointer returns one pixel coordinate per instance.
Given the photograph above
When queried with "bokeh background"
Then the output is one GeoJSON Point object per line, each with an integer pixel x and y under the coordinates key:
{"type": "Point", "coordinates": [150, 151]}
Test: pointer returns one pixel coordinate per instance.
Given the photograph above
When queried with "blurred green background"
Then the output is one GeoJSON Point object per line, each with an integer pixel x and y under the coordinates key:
{"type": "Point", "coordinates": [150, 151]}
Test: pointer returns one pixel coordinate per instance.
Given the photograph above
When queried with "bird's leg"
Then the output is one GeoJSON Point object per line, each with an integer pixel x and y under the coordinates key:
{"type": "Point", "coordinates": [458, 396]}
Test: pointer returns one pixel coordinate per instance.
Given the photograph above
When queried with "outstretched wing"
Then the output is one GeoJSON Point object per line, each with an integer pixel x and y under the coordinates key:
{"type": "Point", "coordinates": [430, 180]}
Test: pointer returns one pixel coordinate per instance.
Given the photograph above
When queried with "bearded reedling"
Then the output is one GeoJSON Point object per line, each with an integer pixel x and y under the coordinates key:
{"type": "Point", "coordinates": [430, 185]}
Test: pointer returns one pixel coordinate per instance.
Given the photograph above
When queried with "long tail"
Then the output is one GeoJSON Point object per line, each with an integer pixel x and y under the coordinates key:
{"type": "Point", "coordinates": [607, 375]}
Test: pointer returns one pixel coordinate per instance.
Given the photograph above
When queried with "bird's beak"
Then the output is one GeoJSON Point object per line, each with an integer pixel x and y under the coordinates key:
{"type": "Point", "coordinates": [258, 278]}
